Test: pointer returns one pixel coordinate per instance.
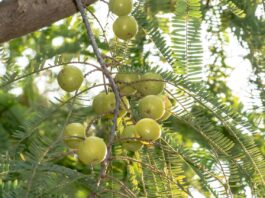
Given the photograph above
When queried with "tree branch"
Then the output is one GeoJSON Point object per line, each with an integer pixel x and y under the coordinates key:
{"type": "Point", "coordinates": [114, 87]}
{"type": "Point", "coordinates": [20, 17]}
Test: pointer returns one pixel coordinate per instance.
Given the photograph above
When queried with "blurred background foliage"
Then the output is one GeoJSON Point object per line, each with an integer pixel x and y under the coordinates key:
{"type": "Point", "coordinates": [216, 44]}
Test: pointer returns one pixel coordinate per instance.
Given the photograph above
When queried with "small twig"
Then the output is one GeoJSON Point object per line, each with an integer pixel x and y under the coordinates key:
{"type": "Point", "coordinates": [106, 72]}
{"type": "Point", "coordinates": [207, 3]}
{"type": "Point", "coordinates": [126, 188]}
{"type": "Point", "coordinates": [135, 139]}
{"type": "Point", "coordinates": [46, 68]}
{"type": "Point", "coordinates": [104, 2]}
{"type": "Point", "coordinates": [102, 29]}
{"type": "Point", "coordinates": [90, 72]}
{"type": "Point", "coordinates": [154, 169]}
{"type": "Point", "coordinates": [106, 41]}
{"type": "Point", "coordinates": [60, 155]}
{"type": "Point", "coordinates": [87, 133]}
{"type": "Point", "coordinates": [226, 183]}
{"type": "Point", "coordinates": [114, 61]}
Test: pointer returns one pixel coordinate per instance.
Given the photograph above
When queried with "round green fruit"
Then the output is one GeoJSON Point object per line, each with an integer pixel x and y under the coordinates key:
{"type": "Point", "coordinates": [124, 106]}
{"type": "Point", "coordinates": [70, 78]}
{"type": "Point", "coordinates": [73, 134]}
{"type": "Point", "coordinates": [80, 192]}
{"type": "Point", "coordinates": [125, 27]}
{"type": "Point", "coordinates": [148, 129]}
{"type": "Point", "coordinates": [122, 79]}
{"type": "Point", "coordinates": [97, 104]}
{"type": "Point", "coordinates": [131, 145]}
{"type": "Point", "coordinates": [168, 107]}
{"type": "Point", "coordinates": [152, 106]}
{"type": "Point", "coordinates": [92, 151]}
{"type": "Point", "coordinates": [151, 84]}
{"type": "Point", "coordinates": [106, 103]}
{"type": "Point", "coordinates": [121, 7]}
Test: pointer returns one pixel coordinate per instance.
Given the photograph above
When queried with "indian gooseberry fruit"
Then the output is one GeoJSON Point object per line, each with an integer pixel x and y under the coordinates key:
{"type": "Point", "coordinates": [148, 129]}
{"type": "Point", "coordinates": [121, 7]}
{"type": "Point", "coordinates": [130, 145]}
{"type": "Point", "coordinates": [168, 106]}
{"type": "Point", "coordinates": [151, 84]}
{"type": "Point", "coordinates": [124, 106]}
{"type": "Point", "coordinates": [125, 27]}
{"type": "Point", "coordinates": [92, 151]}
{"type": "Point", "coordinates": [73, 134]}
{"type": "Point", "coordinates": [151, 106]}
{"type": "Point", "coordinates": [70, 78]}
{"type": "Point", "coordinates": [105, 103]}
{"type": "Point", "coordinates": [125, 82]}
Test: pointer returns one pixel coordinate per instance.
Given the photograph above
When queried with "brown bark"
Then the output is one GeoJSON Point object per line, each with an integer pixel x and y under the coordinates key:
{"type": "Point", "coordinates": [20, 17]}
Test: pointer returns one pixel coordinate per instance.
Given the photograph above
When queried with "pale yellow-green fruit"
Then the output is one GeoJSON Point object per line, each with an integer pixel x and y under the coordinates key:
{"type": "Point", "coordinates": [151, 84]}
{"type": "Point", "coordinates": [70, 78]}
{"type": "Point", "coordinates": [124, 106]}
{"type": "Point", "coordinates": [168, 108]}
{"type": "Point", "coordinates": [130, 145]}
{"type": "Point", "coordinates": [81, 192]}
{"type": "Point", "coordinates": [74, 133]}
{"type": "Point", "coordinates": [151, 106]}
{"type": "Point", "coordinates": [148, 129]}
{"type": "Point", "coordinates": [104, 104]}
{"type": "Point", "coordinates": [121, 7]}
{"type": "Point", "coordinates": [125, 27]}
{"type": "Point", "coordinates": [92, 151]}
{"type": "Point", "coordinates": [125, 82]}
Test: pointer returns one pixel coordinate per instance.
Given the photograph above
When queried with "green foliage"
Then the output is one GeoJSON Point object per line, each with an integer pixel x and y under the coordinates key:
{"type": "Point", "coordinates": [186, 37]}
{"type": "Point", "coordinates": [234, 9]}
{"type": "Point", "coordinates": [151, 27]}
{"type": "Point", "coordinates": [213, 143]}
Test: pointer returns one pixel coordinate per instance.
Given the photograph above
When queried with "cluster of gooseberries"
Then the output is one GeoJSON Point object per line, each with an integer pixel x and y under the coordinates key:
{"type": "Point", "coordinates": [153, 107]}
{"type": "Point", "coordinates": [147, 89]}
{"type": "Point", "coordinates": [92, 149]}
{"type": "Point", "coordinates": [125, 27]}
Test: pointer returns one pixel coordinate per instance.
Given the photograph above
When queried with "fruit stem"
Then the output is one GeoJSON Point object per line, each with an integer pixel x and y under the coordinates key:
{"type": "Point", "coordinates": [114, 88]}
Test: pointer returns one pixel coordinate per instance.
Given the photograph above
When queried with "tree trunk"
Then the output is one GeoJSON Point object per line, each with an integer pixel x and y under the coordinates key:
{"type": "Point", "coordinates": [20, 17]}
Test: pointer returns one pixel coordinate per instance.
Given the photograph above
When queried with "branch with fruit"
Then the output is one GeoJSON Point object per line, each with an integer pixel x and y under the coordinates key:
{"type": "Point", "coordinates": [113, 103]}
